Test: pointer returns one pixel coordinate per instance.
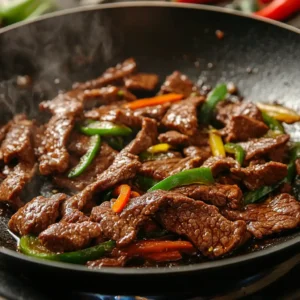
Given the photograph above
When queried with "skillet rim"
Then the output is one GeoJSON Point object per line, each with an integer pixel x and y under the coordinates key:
{"type": "Point", "coordinates": [205, 266]}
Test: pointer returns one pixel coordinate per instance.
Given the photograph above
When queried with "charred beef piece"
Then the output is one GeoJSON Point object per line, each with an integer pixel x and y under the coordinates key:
{"type": "Point", "coordinates": [178, 83]}
{"type": "Point", "coordinates": [227, 109]}
{"type": "Point", "coordinates": [178, 214]}
{"type": "Point", "coordinates": [174, 138]}
{"type": "Point", "coordinates": [156, 112]}
{"type": "Point", "coordinates": [145, 138]}
{"type": "Point", "coordinates": [274, 215]}
{"type": "Point", "coordinates": [54, 156]}
{"type": "Point", "coordinates": [102, 161]}
{"type": "Point", "coordinates": [76, 216]}
{"type": "Point", "coordinates": [243, 128]}
{"type": "Point", "coordinates": [263, 147]}
{"type": "Point", "coordinates": [159, 170]}
{"type": "Point", "coordinates": [3, 130]}
{"type": "Point", "coordinates": [123, 116]}
{"type": "Point", "coordinates": [220, 164]}
{"type": "Point", "coordinates": [79, 143]}
{"type": "Point", "coordinates": [104, 96]}
{"type": "Point", "coordinates": [110, 76]}
{"type": "Point", "coordinates": [203, 152]}
{"type": "Point", "coordinates": [17, 144]}
{"type": "Point", "coordinates": [141, 81]}
{"type": "Point", "coordinates": [217, 194]}
{"type": "Point", "coordinates": [36, 215]}
{"type": "Point", "coordinates": [62, 236]}
{"type": "Point", "coordinates": [182, 116]}
{"type": "Point", "coordinates": [257, 176]}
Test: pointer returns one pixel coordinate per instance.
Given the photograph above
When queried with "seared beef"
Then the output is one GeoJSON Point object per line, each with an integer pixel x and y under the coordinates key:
{"type": "Point", "coordinates": [156, 112]}
{"type": "Point", "coordinates": [178, 83]}
{"type": "Point", "coordinates": [13, 184]}
{"type": "Point", "coordinates": [161, 156]}
{"type": "Point", "coordinates": [200, 138]}
{"type": "Point", "coordinates": [3, 130]}
{"type": "Point", "coordinates": [263, 147]}
{"type": "Point", "coordinates": [61, 237]}
{"type": "Point", "coordinates": [203, 152]}
{"type": "Point", "coordinates": [220, 164]}
{"type": "Point", "coordinates": [174, 138]}
{"type": "Point", "coordinates": [141, 81]}
{"type": "Point", "coordinates": [257, 176]}
{"type": "Point", "coordinates": [17, 143]}
{"type": "Point", "coordinates": [274, 215]}
{"type": "Point", "coordinates": [76, 216]}
{"type": "Point", "coordinates": [145, 138]}
{"type": "Point", "coordinates": [36, 215]}
{"type": "Point", "coordinates": [159, 170]}
{"type": "Point", "coordinates": [178, 214]}
{"type": "Point", "coordinates": [182, 116]}
{"type": "Point", "coordinates": [227, 109]}
{"type": "Point", "coordinates": [122, 116]}
{"type": "Point", "coordinates": [79, 143]}
{"type": "Point", "coordinates": [217, 194]}
{"type": "Point", "coordinates": [102, 161]}
{"type": "Point", "coordinates": [243, 128]}
{"type": "Point", "coordinates": [54, 156]}
{"type": "Point", "coordinates": [110, 76]}
{"type": "Point", "coordinates": [105, 95]}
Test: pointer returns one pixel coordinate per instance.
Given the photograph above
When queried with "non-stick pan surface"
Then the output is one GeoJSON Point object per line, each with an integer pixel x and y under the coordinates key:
{"type": "Point", "coordinates": [262, 59]}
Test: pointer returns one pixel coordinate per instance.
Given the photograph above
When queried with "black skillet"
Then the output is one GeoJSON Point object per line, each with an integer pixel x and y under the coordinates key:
{"type": "Point", "coordinates": [261, 57]}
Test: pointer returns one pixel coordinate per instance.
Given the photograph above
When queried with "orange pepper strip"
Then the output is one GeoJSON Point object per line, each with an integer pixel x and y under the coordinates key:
{"type": "Point", "coordinates": [122, 199]}
{"type": "Point", "coordinates": [134, 194]}
{"type": "Point", "coordinates": [164, 256]}
{"type": "Point", "coordinates": [142, 247]}
{"type": "Point", "coordinates": [172, 97]}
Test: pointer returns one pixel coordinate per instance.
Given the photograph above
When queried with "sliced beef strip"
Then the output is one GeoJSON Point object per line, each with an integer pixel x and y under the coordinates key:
{"type": "Point", "coordinates": [36, 215]}
{"type": "Point", "coordinates": [159, 170]}
{"type": "Point", "coordinates": [123, 116]}
{"type": "Point", "coordinates": [217, 194]}
{"type": "Point", "coordinates": [174, 138]}
{"type": "Point", "coordinates": [243, 128]}
{"type": "Point", "coordinates": [156, 112]}
{"type": "Point", "coordinates": [98, 112]}
{"type": "Point", "coordinates": [79, 143]}
{"type": "Point", "coordinates": [101, 162]}
{"type": "Point", "coordinates": [277, 214]}
{"type": "Point", "coordinates": [200, 138]}
{"type": "Point", "coordinates": [210, 232]}
{"type": "Point", "coordinates": [220, 164]}
{"type": "Point", "coordinates": [178, 83]}
{"type": "Point", "coordinates": [110, 76]}
{"type": "Point", "coordinates": [204, 152]}
{"type": "Point", "coordinates": [145, 138]}
{"type": "Point", "coordinates": [257, 176]}
{"type": "Point", "coordinates": [17, 143]}
{"type": "Point", "coordinates": [54, 156]}
{"type": "Point", "coordinates": [12, 186]}
{"type": "Point", "coordinates": [141, 81]}
{"type": "Point", "coordinates": [182, 116]}
{"type": "Point", "coordinates": [226, 109]}
{"type": "Point", "coordinates": [263, 147]}
{"type": "Point", "coordinates": [62, 236]}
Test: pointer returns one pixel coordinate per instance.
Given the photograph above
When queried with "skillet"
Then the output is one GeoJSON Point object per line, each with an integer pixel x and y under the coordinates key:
{"type": "Point", "coordinates": [261, 57]}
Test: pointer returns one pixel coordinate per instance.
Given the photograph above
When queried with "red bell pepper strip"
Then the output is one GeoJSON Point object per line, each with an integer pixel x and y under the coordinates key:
{"type": "Point", "coordinates": [279, 9]}
{"type": "Point", "coordinates": [123, 198]}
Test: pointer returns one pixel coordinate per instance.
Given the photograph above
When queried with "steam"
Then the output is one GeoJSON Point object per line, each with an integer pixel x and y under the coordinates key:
{"type": "Point", "coordinates": [54, 53]}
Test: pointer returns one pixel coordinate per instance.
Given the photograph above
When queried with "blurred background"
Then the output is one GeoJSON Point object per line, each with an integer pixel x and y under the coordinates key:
{"type": "Point", "coordinates": [13, 11]}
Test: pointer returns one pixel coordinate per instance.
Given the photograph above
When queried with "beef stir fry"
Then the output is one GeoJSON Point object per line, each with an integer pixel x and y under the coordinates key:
{"type": "Point", "coordinates": [146, 181]}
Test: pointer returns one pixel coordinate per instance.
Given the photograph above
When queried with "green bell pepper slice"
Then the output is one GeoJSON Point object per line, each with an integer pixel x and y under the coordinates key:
{"type": "Point", "coordinates": [31, 246]}
{"type": "Point", "coordinates": [237, 150]}
{"type": "Point", "coordinates": [197, 175]}
{"type": "Point", "coordinates": [87, 159]}
{"type": "Point", "coordinates": [272, 123]}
